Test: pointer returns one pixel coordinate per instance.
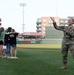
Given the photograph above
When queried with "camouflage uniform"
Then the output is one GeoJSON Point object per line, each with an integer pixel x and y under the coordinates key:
{"type": "Point", "coordinates": [68, 40]}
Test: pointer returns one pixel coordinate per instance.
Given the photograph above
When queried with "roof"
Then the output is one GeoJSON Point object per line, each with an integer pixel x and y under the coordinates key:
{"type": "Point", "coordinates": [30, 34]}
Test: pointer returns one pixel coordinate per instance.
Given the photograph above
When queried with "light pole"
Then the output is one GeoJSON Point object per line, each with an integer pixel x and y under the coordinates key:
{"type": "Point", "coordinates": [56, 9]}
{"type": "Point", "coordinates": [23, 5]}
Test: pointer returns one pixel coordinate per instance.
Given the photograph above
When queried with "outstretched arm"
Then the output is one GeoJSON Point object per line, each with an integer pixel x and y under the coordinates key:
{"type": "Point", "coordinates": [68, 31]}
{"type": "Point", "coordinates": [56, 26]}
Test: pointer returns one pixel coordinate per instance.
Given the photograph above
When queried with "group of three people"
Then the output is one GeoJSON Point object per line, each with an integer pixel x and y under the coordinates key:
{"type": "Point", "coordinates": [8, 39]}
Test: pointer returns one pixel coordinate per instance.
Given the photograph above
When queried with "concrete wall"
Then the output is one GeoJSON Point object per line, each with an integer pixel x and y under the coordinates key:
{"type": "Point", "coordinates": [52, 41]}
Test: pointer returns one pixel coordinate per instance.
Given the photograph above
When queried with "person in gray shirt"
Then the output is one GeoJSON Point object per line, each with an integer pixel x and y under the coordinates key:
{"type": "Point", "coordinates": [68, 39]}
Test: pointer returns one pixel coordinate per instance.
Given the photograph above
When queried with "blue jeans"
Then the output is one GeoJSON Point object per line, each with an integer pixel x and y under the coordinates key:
{"type": "Point", "coordinates": [8, 48]}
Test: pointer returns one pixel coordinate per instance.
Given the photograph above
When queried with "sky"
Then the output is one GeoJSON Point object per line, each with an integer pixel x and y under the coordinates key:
{"type": "Point", "coordinates": [11, 12]}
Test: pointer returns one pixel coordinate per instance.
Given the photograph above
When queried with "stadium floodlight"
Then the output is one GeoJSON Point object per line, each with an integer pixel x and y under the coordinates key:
{"type": "Point", "coordinates": [23, 5]}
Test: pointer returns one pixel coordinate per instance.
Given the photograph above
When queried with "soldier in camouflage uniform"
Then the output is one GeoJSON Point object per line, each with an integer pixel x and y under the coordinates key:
{"type": "Point", "coordinates": [68, 39]}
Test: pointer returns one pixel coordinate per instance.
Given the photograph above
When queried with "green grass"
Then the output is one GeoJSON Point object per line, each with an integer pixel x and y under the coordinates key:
{"type": "Point", "coordinates": [35, 62]}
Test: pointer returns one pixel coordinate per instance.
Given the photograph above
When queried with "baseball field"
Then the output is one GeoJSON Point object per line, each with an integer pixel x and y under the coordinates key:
{"type": "Point", "coordinates": [36, 59]}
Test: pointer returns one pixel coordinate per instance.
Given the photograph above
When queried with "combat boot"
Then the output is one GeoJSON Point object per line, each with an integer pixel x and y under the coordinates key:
{"type": "Point", "coordinates": [64, 66]}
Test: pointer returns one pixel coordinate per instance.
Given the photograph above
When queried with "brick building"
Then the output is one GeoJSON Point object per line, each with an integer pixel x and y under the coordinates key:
{"type": "Point", "coordinates": [44, 22]}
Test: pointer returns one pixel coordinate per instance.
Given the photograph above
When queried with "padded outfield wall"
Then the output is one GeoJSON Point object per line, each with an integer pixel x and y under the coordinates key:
{"type": "Point", "coordinates": [51, 41]}
{"type": "Point", "coordinates": [42, 41]}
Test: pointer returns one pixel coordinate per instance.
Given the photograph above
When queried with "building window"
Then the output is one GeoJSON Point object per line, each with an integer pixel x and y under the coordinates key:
{"type": "Point", "coordinates": [62, 21]}
{"type": "Point", "coordinates": [50, 22]}
{"type": "Point", "coordinates": [44, 24]}
{"type": "Point", "coordinates": [56, 21]}
{"type": "Point", "coordinates": [66, 21]}
{"type": "Point", "coordinates": [44, 29]}
{"type": "Point", "coordinates": [44, 20]}
{"type": "Point", "coordinates": [66, 24]}
{"type": "Point", "coordinates": [39, 20]}
{"type": "Point", "coordinates": [39, 28]}
{"type": "Point", "coordinates": [62, 25]}
{"type": "Point", "coordinates": [44, 32]}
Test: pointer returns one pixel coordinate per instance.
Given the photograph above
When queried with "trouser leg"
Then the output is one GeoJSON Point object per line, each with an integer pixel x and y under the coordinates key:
{"type": "Point", "coordinates": [8, 49]}
{"type": "Point", "coordinates": [72, 50]}
{"type": "Point", "coordinates": [65, 52]}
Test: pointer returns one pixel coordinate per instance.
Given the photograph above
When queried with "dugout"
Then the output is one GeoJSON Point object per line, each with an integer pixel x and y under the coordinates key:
{"type": "Point", "coordinates": [30, 35]}
{"type": "Point", "coordinates": [29, 38]}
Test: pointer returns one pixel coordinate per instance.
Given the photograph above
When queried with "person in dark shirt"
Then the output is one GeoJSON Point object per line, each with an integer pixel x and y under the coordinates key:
{"type": "Point", "coordinates": [13, 37]}
{"type": "Point", "coordinates": [7, 42]}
